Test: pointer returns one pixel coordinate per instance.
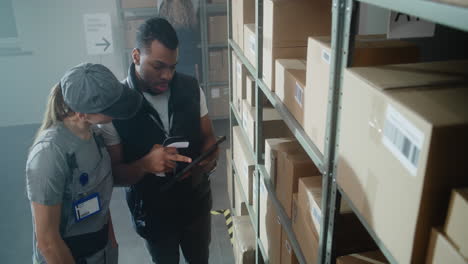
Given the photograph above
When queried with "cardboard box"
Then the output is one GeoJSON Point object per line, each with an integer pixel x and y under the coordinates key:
{"type": "Point", "coordinates": [217, 29]}
{"type": "Point", "coordinates": [229, 179]}
{"type": "Point", "coordinates": [273, 125]}
{"type": "Point", "coordinates": [244, 240]}
{"type": "Point", "coordinates": [430, 118]}
{"type": "Point", "coordinates": [218, 66]}
{"type": "Point", "coordinates": [139, 4]}
{"type": "Point", "coordinates": [244, 162]}
{"type": "Point", "coordinates": [350, 234]}
{"type": "Point", "coordinates": [272, 145]}
{"type": "Point", "coordinates": [271, 54]}
{"type": "Point", "coordinates": [243, 12]}
{"type": "Point", "coordinates": [308, 241]}
{"type": "Point", "coordinates": [281, 68]}
{"type": "Point", "coordinates": [289, 23]}
{"type": "Point", "coordinates": [310, 197]}
{"type": "Point", "coordinates": [456, 227]}
{"type": "Point", "coordinates": [240, 76]}
{"type": "Point", "coordinates": [250, 92]}
{"type": "Point", "coordinates": [240, 207]}
{"type": "Point", "coordinates": [233, 84]}
{"type": "Point", "coordinates": [371, 257]}
{"type": "Point", "coordinates": [270, 226]}
{"type": "Point", "coordinates": [218, 102]}
{"type": "Point", "coordinates": [292, 88]}
{"type": "Point", "coordinates": [292, 165]}
{"type": "Point", "coordinates": [284, 33]}
{"type": "Point", "coordinates": [250, 44]}
{"type": "Point", "coordinates": [369, 51]}
{"type": "Point", "coordinates": [441, 251]}
{"type": "Point", "coordinates": [287, 253]}
{"type": "Point", "coordinates": [131, 28]}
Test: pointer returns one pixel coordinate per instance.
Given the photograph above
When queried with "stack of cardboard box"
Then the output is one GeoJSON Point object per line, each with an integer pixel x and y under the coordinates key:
{"type": "Point", "coordinates": [402, 148]}
{"type": "Point", "coordinates": [217, 29]}
{"type": "Point", "coordinates": [287, 24]}
{"type": "Point", "coordinates": [303, 86]}
{"type": "Point", "coordinates": [243, 12]}
{"type": "Point", "coordinates": [244, 162]}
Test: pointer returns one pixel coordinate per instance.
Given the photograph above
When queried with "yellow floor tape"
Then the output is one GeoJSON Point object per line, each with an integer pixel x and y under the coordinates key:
{"type": "Point", "coordinates": [228, 218]}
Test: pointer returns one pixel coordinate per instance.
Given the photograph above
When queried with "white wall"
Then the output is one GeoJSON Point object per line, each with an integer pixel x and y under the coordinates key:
{"type": "Point", "coordinates": [53, 31]}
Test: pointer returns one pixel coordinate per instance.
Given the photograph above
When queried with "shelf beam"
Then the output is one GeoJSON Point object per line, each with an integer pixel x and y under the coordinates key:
{"type": "Point", "coordinates": [440, 13]}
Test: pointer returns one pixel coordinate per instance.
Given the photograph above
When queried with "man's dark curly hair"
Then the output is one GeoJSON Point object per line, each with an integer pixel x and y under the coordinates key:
{"type": "Point", "coordinates": [156, 29]}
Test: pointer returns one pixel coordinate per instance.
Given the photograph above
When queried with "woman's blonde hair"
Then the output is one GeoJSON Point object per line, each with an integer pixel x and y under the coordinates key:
{"type": "Point", "coordinates": [180, 13]}
{"type": "Point", "coordinates": [56, 110]}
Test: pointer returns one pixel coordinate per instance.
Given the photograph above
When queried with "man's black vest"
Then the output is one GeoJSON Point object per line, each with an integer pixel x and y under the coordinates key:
{"type": "Point", "coordinates": [140, 133]}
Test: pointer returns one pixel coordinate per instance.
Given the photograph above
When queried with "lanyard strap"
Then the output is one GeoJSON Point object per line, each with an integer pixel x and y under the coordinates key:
{"type": "Point", "coordinates": [154, 115]}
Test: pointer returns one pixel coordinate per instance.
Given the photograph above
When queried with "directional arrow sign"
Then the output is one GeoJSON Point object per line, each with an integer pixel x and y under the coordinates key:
{"type": "Point", "coordinates": [98, 33]}
{"type": "Point", "coordinates": [106, 44]}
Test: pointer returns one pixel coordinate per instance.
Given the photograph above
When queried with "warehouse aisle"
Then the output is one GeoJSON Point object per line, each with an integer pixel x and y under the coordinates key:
{"type": "Point", "coordinates": [16, 229]}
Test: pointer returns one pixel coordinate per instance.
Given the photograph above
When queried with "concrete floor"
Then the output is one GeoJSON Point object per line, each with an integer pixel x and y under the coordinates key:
{"type": "Point", "coordinates": [16, 223]}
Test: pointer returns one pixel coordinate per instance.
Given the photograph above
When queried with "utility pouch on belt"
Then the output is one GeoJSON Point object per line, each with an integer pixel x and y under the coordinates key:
{"type": "Point", "coordinates": [86, 245]}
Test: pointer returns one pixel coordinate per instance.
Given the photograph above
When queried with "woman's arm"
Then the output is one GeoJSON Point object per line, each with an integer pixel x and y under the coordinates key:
{"type": "Point", "coordinates": [49, 241]}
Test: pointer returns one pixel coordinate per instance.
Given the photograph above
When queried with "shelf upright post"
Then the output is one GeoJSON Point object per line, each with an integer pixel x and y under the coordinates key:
{"type": "Point", "coordinates": [345, 18]}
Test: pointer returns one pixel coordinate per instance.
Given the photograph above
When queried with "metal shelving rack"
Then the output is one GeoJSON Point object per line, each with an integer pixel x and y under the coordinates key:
{"type": "Point", "coordinates": [207, 10]}
{"type": "Point", "coordinates": [344, 25]}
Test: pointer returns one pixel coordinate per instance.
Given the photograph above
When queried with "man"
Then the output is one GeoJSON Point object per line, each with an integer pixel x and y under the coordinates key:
{"type": "Point", "coordinates": [174, 107]}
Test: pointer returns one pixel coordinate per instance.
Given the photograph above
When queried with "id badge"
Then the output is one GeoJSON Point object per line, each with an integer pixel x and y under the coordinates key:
{"type": "Point", "coordinates": [87, 207]}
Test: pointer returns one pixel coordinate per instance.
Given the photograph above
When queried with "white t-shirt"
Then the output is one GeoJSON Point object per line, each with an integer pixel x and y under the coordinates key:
{"type": "Point", "coordinates": [160, 102]}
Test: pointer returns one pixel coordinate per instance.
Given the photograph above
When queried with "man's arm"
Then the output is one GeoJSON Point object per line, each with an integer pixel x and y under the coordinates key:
{"type": "Point", "coordinates": [49, 241]}
{"type": "Point", "coordinates": [159, 159]}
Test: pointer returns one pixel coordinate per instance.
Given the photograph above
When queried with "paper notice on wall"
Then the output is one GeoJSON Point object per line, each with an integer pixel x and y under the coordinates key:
{"type": "Point", "coordinates": [215, 93]}
{"type": "Point", "coordinates": [403, 139]}
{"type": "Point", "coordinates": [404, 26]}
{"type": "Point", "coordinates": [98, 31]}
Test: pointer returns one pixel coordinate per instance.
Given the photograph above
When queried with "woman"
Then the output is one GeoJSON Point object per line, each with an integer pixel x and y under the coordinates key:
{"type": "Point", "coordinates": [68, 172]}
{"type": "Point", "coordinates": [182, 15]}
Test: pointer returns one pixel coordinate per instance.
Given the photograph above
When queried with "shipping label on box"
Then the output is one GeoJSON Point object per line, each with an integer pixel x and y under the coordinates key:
{"type": "Point", "coordinates": [299, 94]}
{"type": "Point", "coordinates": [403, 139]}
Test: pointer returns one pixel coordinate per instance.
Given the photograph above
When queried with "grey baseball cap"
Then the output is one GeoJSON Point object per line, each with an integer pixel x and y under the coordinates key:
{"type": "Point", "coordinates": [93, 89]}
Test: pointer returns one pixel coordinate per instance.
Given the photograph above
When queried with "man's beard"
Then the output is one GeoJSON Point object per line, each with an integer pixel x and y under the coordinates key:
{"type": "Point", "coordinates": [153, 90]}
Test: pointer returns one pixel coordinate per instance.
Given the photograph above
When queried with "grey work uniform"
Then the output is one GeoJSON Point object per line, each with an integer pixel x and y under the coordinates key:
{"type": "Point", "coordinates": [53, 177]}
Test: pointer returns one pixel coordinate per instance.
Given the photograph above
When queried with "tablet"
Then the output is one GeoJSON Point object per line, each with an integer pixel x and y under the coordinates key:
{"type": "Point", "coordinates": [195, 162]}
